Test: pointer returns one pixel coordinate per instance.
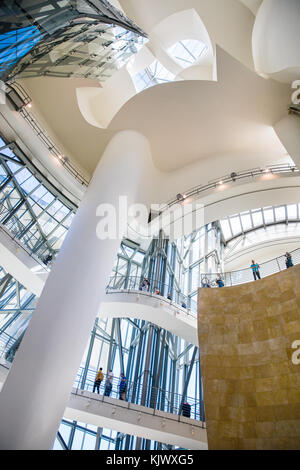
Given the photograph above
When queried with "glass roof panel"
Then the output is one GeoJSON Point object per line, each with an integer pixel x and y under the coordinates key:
{"type": "Point", "coordinates": [268, 215]}
{"type": "Point", "coordinates": [226, 229]}
{"type": "Point", "coordinates": [280, 213]}
{"type": "Point", "coordinates": [257, 218]}
{"type": "Point", "coordinates": [155, 74]}
{"type": "Point", "coordinates": [235, 225]}
{"type": "Point", "coordinates": [246, 221]}
{"type": "Point", "coordinates": [292, 211]}
{"type": "Point", "coordinates": [187, 52]}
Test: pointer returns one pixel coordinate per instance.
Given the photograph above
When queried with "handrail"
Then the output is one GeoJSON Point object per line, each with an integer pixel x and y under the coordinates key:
{"type": "Point", "coordinates": [154, 288]}
{"type": "Point", "coordinates": [41, 133]}
{"type": "Point", "coordinates": [156, 397]}
{"type": "Point", "coordinates": [213, 184]}
{"type": "Point", "coordinates": [14, 238]}
{"type": "Point", "coordinates": [133, 284]}
{"type": "Point", "coordinates": [186, 310]}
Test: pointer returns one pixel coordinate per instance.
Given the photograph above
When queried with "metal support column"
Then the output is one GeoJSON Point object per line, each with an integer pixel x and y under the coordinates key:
{"type": "Point", "coordinates": [89, 354]}
{"type": "Point", "coordinates": [119, 339]}
{"type": "Point", "coordinates": [4, 283]}
{"type": "Point", "coordinates": [98, 438]}
{"type": "Point", "coordinates": [188, 379]}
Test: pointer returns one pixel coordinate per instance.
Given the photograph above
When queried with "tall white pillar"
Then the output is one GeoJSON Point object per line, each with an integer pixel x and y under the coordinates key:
{"type": "Point", "coordinates": [35, 394]}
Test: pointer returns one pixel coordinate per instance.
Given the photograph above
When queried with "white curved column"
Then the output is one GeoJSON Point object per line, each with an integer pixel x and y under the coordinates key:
{"type": "Point", "coordinates": [54, 343]}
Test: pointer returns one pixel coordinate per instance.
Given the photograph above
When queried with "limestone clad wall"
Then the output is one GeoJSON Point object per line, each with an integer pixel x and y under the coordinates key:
{"type": "Point", "coordinates": [251, 386]}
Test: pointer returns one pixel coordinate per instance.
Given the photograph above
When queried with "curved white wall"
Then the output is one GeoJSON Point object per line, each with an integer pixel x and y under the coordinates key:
{"type": "Point", "coordinates": [288, 131]}
{"type": "Point", "coordinates": [229, 23]}
{"type": "Point", "coordinates": [276, 39]}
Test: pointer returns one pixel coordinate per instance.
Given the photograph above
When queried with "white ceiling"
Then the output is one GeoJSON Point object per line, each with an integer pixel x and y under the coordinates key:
{"type": "Point", "coordinates": [253, 5]}
{"type": "Point", "coordinates": [184, 121]}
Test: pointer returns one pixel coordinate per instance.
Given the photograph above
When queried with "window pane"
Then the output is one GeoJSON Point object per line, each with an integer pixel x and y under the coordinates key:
{"type": "Point", "coordinates": [246, 221]}
{"type": "Point", "coordinates": [292, 211]}
{"type": "Point", "coordinates": [226, 229]}
{"type": "Point", "coordinates": [257, 218]}
{"type": "Point", "coordinates": [279, 213]}
{"type": "Point", "coordinates": [268, 215]}
{"type": "Point", "coordinates": [236, 225]}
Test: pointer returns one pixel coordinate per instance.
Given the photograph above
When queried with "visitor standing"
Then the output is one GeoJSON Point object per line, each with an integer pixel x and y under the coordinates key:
{"type": "Point", "coordinates": [255, 270]}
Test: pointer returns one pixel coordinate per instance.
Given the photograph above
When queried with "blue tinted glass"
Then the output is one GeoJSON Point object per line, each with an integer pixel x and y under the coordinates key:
{"type": "Point", "coordinates": [15, 44]}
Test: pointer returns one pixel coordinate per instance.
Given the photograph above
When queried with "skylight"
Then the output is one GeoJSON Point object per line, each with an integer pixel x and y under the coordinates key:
{"type": "Point", "coordinates": [187, 52]}
{"type": "Point", "coordinates": [155, 74]}
{"type": "Point", "coordinates": [238, 224]}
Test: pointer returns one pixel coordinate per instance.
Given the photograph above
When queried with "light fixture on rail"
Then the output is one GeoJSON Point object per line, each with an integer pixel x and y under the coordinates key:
{"type": "Point", "coordinates": [233, 176]}
{"type": "Point", "coordinates": [180, 197]}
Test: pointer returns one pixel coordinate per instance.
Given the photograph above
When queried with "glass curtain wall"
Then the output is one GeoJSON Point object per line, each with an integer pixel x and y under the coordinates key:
{"type": "Point", "coordinates": [172, 269]}
{"type": "Point", "coordinates": [156, 364]}
{"type": "Point", "coordinates": [31, 209]}
{"type": "Point", "coordinates": [16, 308]}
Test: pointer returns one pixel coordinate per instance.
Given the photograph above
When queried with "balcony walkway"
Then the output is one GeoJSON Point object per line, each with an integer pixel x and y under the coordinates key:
{"type": "Point", "coordinates": [129, 418]}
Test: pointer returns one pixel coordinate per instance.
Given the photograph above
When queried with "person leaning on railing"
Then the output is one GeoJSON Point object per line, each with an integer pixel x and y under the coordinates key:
{"type": "Point", "coordinates": [98, 380]}
{"type": "Point", "coordinates": [288, 260]}
{"type": "Point", "coordinates": [205, 282]}
{"type": "Point", "coordinates": [255, 270]}
{"type": "Point", "coordinates": [122, 386]}
{"type": "Point", "coordinates": [219, 281]}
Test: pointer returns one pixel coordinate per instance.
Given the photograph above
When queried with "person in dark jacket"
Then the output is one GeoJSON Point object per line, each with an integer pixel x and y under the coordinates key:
{"type": "Point", "coordinates": [186, 410]}
{"type": "Point", "coordinates": [122, 386]}
{"type": "Point", "coordinates": [219, 281]}
{"type": "Point", "coordinates": [288, 260]}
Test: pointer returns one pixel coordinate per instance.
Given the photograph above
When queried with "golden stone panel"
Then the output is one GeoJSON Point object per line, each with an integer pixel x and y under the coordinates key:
{"type": "Point", "coordinates": [251, 386]}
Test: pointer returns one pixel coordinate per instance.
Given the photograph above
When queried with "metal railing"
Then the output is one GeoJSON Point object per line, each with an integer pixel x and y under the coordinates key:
{"type": "Point", "coordinates": [21, 99]}
{"type": "Point", "coordinates": [137, 393]}
{"type": "Point", "coordinates": [123, 284]}
{"type": "Point", "coordinates": [280, 169]}
{"type": "Point", "coordinates": [154, 288]}
{"type": "Point", "coordinates": [14, 237]}
{"type": "Point", "coordinates": [6, 342]}
{"type": "Point", "coordinates": [243, 276]}
{"type": "Point", "coordinates": [155, 398]}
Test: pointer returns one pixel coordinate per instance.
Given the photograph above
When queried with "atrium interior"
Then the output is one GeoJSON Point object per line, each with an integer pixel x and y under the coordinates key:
{"type": "Point", "coordinates": [149, 150]}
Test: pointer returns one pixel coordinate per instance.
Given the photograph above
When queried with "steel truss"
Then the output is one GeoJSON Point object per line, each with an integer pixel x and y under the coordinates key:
{"type": "Point", "coordinates": [31, 208]}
